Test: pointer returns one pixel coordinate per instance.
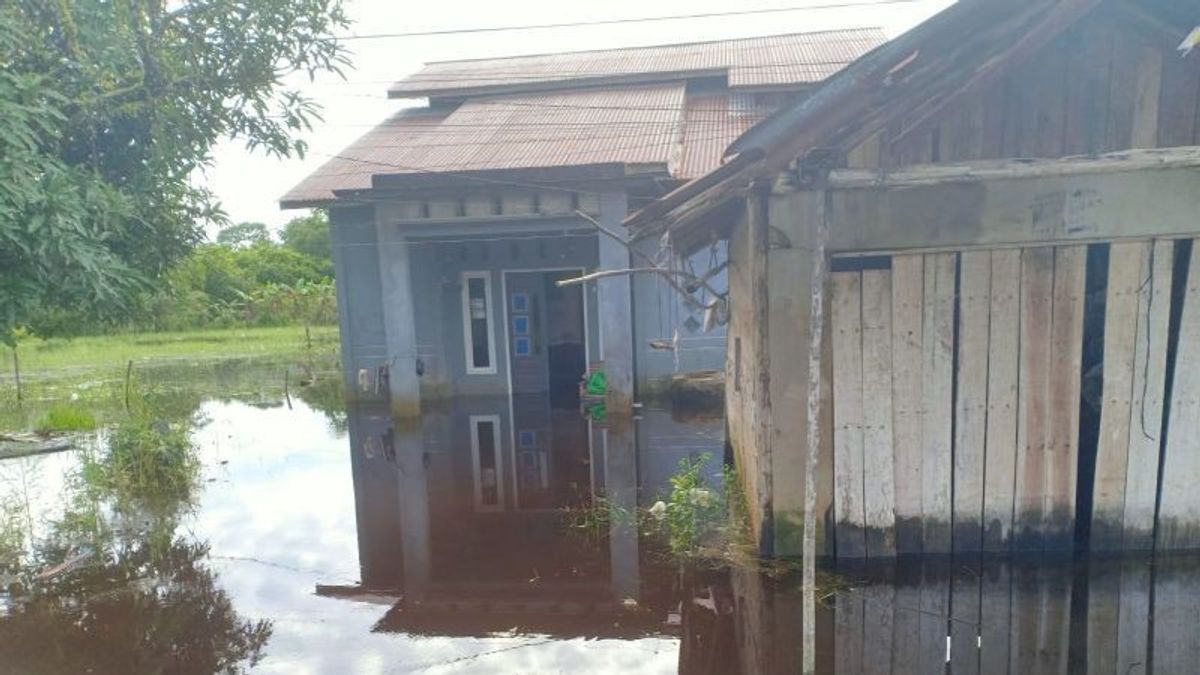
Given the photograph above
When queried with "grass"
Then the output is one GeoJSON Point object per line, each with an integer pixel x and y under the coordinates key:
{"type": "Point", "coordinates": [66, 417]}
{"type": "Point", "coordinates": [177, 370]}
{"type": "Point", "coordinates": [41, 355]}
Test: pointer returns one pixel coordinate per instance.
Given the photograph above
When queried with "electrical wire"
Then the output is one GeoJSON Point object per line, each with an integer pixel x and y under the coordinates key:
{"type": "Point", "coordinates": [626, 20]}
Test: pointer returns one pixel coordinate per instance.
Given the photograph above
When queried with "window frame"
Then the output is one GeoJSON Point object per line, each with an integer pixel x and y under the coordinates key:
{"type": "Point", "coordinates": [468, 328]}
{"type": "Point", "coordinates": [477, 465]}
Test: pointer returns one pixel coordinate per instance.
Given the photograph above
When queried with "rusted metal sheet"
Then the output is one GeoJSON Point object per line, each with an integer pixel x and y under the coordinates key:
{"type": "Point", "coordinates": [756, 62]}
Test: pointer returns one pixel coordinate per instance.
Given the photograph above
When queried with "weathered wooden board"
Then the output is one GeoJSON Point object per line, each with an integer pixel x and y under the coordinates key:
{"type": "Point", "coordinates": [848, 631]}
{"type": "Point", "coordinates": [1146, 399]}
{"type": "Point", "coordinates": [1133, 621]}
{"type": "Point", "coordinates": [970, 430]}
{"type": "Point", "coordinates": [1125, 261]}
{"type": "Point", "coordinates": [965, 617]}
{"type": "Point", "coordinates": [1103, 616]}
{"type": "Point", "coordinates": [1041, 619]}
{"type": "Point", "coordinates": [878, 489]}
{"type": "Point", "coordinates": [937, 383]}
{"type": "Point", "coordinates": [995, 619]}
{"type": "Point", "coordinates": [906, 633]}
{"type": "Point", "coordinates": [1037, 281]}
{"type": "Point", "coordinates": [1146, 97]}
{"type": "Point", "coordinates": [846, 307]}
{"type": "Point", "coordinates": [907, 399]}
{"type": "Point", "coordinates": [1001, 443]}
{"type": "Point", "coordinates": [1179, 508]}
{"type": "Point", "coordinates": [878, 628]}
{"type": "Point", "coordinates": [1066, 358]}
{"type": "Point", "coordinates": [1176, 616]}
{"type": "Point", "coordinates": [935, 613]}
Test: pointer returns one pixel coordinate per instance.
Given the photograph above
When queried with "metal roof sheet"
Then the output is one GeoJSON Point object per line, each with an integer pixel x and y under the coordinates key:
{"type": "Point", "coordinates": [765, 61]}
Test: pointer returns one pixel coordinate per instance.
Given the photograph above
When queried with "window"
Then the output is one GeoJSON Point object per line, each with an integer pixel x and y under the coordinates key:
{"type": "Point", "coordinates": [522, 347]}
{"type": "Point", "coordinates": [485, 453]}
{"type": "Point", "coordinates": [521, 325]}
{"type": "Point", "coordinates": [520, 302]}
{"type": "Point", "coordinates": [528, 438]}
{"type": "Point", "coordinates": [477, 323]}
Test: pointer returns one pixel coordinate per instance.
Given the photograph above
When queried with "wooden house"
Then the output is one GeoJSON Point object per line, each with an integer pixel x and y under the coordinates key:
{"type": "Point", "coordinates": [964, 286]}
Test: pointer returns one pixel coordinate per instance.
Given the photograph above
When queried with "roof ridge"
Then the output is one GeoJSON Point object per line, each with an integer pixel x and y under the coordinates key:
{"type": "Point", "coordinates": [661, 45]}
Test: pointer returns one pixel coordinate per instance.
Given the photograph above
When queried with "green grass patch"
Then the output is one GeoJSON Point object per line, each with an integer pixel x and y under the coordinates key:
{"type": "Point", "coordinates": [66, 417]}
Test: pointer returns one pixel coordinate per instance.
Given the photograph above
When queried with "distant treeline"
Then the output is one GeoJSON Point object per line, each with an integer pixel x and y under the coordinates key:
{"type": "Point", "coordinates": [244, 278]}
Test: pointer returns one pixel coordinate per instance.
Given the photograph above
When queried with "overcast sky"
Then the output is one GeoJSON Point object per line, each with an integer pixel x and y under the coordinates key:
{"type": "Point", "coordinates": [250, 184]}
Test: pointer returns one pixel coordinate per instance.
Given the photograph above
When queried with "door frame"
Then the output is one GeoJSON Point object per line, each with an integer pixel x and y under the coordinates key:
{"type": "Point", "coordinates": [587, 358]}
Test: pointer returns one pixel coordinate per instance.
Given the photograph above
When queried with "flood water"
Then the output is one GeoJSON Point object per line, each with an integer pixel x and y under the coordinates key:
{"type": "Point", "coordinates": [322, 540]}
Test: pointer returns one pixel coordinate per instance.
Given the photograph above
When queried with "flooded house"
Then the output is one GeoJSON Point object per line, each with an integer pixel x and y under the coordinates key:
{"type": "Point", "coordinates": [963, 288]}
{"type": "Point", "coordinates": [454, 220]}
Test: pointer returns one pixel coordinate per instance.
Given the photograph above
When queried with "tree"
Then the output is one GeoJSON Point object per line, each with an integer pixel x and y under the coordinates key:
{"type": "Point", "coordinates": [107, 109]}
{"type": "Point", "coordinates": [242, 235]}
{"type": "Point", "coordinates": [310, 235]}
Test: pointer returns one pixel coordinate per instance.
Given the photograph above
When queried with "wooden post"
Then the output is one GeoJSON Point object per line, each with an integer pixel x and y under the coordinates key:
{"type": "Point", "coordinates": [128, 377]}
{"type": "Point", "coordinates": [758, 237]}
{"type": "Point", "coordinates": [816, 327]}
{"type": "Point", "coordinates": [17, 373]}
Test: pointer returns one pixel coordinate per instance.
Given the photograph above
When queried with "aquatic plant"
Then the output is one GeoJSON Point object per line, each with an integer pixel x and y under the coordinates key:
{"type": "Point", "coordinates": [694, 515]}
{"type": "Point", "coordinates": [66, 417]}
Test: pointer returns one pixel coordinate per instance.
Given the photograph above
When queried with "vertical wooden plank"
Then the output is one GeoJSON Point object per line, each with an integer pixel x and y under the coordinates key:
{"type": "Point", "coordinates": [1037, 281]}
{"type": "Point", "coordinates": [846, 306]}
{"type": "Point", "coordinates": [935, 612]}
{"type": "Point", "coordinates": [1087, 87]}
{"type": "Point", "coordinates": [907, 328]}
{"type": "Point", "coordinates": [1179, 507]}
{"type": "Point", "coordinates": [937, 375]}
{"type": "Point", "coordinates": [878, 628]}
{"type": "Point", "coordinates": [906, 634]}
{"type": "Point", "coordinates": [1054, 618]}
{"type": "Point", "coordinates": [1133, 626]}
{"type": "Point", "coordinates": [1001, 443]}
{"type": "Point", "coordinates": [1177, 102]}
{"type": "Point", "coordinates": [1104, 602]}
{"type": "Point", "coordinates": [1027, 622]}
{"type": "Point", "coordinates": [1122, 93]}
{"type": "Point", "coordinates": [970, 431]}
{"type": "Point", "coordinates": [848, 631]}
{"type": "Point", "coordinates": [1066, 361]}
{"type": "Point", "coordinates": [1146, 400]}
{"type": "Point", "coordinates": [1120, 333]}
{"type": "Point", "coordinates": [995, 619]}
{"type": "Point", "coordinates": [1146, 97]}
{"type": "Point", "coordinates": [1176, 616]}
{"type": "Point", "coordinates": [965, 617]}
{"type": "Point", "coordinates": [879, 493]}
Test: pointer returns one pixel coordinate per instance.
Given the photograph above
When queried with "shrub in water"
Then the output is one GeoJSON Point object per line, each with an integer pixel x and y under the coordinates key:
{"type": "Point", "coordinates": [147, 458]}
{"type": "Point", "coordinates": [65, 417]}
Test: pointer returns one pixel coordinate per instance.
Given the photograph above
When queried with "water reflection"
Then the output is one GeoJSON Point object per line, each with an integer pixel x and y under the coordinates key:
{"type": "Point", "coordinates": [348, 544]}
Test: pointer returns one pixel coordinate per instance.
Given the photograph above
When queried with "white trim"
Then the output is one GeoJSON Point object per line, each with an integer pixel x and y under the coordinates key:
{"type": "Point", "coordinates": [468, 334]}
{"type": "Point", "coordinates": [476, 466]}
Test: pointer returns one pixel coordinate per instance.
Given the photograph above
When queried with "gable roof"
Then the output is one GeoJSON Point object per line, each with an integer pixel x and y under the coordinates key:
{"type": "Point", "coordinates": [550, 120]}
{"type": "Point", "coordinates": [748, 63]}
{"type": "Point", "coordinates": [912, 77]}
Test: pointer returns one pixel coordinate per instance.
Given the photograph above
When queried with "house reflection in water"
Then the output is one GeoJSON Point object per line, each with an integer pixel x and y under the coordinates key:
{"type": "Point", "coordinates": [466, 516]}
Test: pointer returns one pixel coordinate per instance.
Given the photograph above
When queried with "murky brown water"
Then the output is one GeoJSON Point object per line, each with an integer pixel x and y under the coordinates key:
{"type": "Point", "coordinates": [327, 542]}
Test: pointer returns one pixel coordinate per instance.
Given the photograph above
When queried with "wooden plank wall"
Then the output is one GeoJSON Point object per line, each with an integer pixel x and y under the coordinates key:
{"type": "Point", "coordinates": [1110, 83]}
{"type": "Point", "coordinates": [956, 403]}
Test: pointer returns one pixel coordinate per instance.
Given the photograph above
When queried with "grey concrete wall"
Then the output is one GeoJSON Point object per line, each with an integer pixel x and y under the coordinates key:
{"type": "Point", "coordinates": [659, 310]}
{"type": "Point", "coordinates": [376, 497]}
{"type": "Point", "coordinates": [360, 308]}
{"type": "Point", "coordinates": [435, 265]}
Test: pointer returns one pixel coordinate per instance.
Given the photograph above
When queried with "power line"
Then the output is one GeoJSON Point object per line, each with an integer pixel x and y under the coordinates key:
{"type": "Point", "coordinates": [627, 20]}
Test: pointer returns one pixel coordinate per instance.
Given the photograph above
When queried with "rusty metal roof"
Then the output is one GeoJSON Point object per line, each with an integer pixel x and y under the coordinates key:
{"type": "Point", "coordinates": [756, 62]}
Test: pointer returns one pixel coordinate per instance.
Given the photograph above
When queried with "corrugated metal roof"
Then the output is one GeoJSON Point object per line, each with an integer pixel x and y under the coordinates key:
{"type": "Point", "coordinates": [631, 125]}
{"type": "Point", "coordinates": [711, 123]}
{"type": "Point", "coordinates": [773, 60]}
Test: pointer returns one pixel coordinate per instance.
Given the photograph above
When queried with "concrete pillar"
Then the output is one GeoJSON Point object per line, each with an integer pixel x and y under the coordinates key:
{"type": "Point", "coordinates": [414, 507]}
{"type": "Point", "coordinates": [616, 310]}
{"type": "Point", "coordinates": [398, 317]}
{"type": "Point", "coordinates": [620, 481]}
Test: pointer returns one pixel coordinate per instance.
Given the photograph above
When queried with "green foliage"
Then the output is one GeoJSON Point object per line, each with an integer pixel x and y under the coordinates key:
{"type": "Point", "coordinates": [240, 235]}
{"type": "Point", "coordinates": [147, 460]}
{"type": "Point", "coordinates": [67, 417]}
{"type": "Point", "coordinates": [310, 235]}
{"type": "Point", "coordinates": [106, 111]}
{"type": "Point", "coordinates": [694, 514]}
